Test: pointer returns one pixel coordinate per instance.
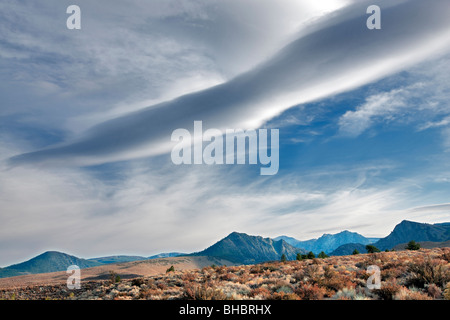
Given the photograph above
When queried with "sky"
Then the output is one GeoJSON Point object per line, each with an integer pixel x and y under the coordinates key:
{"type": "Point", "coordinates": [86, 118]}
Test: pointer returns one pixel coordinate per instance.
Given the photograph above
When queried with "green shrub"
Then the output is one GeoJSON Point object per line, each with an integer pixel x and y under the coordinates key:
{"type": "Point", "coordinates": [372, 249]}
{"type": "Point", "coordinates": [114, 277]}
{"type": "Point", "coordinates": [171, 269]}
{"type": "Point", "coordinates": [310, 255]}
{"type": "Point", "coordinates": [412, 245]}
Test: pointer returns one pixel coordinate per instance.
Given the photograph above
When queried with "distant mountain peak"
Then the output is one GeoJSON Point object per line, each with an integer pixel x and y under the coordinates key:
{"type": "Point", "coordinates": [52, 252]}
{"type": "Point", "coordinates": [403, 222]}
{"type": "Point", "coordinates": [237, 234]}
{"type": "Point", "coordinates": [247, 249]}
{"type": "Point", "coordinates": [407, 230]}
{"type": "Point", "coordinates": [329, 242]}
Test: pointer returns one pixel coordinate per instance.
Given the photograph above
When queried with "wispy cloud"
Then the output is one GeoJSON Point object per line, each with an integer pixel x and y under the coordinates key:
{"type": "Point", "coordinates": [152, 208]}
{"type": "Point", "coordinates": [145, 207]}
{"type": "Point", "coordinates": [445, 207]}
{"type": "Point", "coordinates": [436, 124]}
{"type": "Point", "coordinates": [423, 104]}
{"type": "Point", "coordinates": [385, 105]}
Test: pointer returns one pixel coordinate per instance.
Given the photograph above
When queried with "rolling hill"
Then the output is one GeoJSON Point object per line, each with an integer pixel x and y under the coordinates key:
{"type": "Point", "coordinates": [117, 259]}
{"type": "Point", "coordinates": [124, 258]}
{"type": "Point", "coordinates": [49, 261]}
{"type": "Point", "coordinates": [126, 270]}
{"type": "Point", "coordinates": [167, 255]}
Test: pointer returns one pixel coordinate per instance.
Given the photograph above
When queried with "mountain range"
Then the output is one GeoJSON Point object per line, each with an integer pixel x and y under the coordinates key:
{"type": "Point", "coordinates": [430, 235]}
{"type": "Point", "coordinates": [241, 248]}
{"type": "Point", "coordinates": [328, 242]}
{"type": "Point", "coordinates": [49, 261]}
{"type": "Point", "coordinates": [52, 261]}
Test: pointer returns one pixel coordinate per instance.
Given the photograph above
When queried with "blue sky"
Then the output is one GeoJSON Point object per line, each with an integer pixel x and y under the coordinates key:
{"type": "Point", "coordinates": [86, 117]}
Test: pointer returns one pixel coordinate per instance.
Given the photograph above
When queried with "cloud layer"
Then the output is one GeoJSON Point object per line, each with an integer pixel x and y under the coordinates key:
{"type": "Point", "coordinates": [301, 72]}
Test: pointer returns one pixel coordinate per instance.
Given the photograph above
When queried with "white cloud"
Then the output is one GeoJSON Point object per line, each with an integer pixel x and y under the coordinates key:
{"type": "Point", "coordinates": [385, 105]}
{"type": "Point", "coordinates": [436, 124]}
{"type": "Point", "coordinates": [424, 104]}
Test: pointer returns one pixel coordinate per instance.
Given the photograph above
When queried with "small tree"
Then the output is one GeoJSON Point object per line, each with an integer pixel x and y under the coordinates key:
{"type": "Point", "coordinates": [114, 277]}
{"type": "Point", "coordinates": [171, 269]}
{"type": "Point", "coordinates": [311, 255]}
{"type": "Point", "coordinates": [299, 257]}
{"type": "Point", "coordinates": [372, 249]}
{"type": "Point", "coordinates": [355, 252]}
{"type": "Point", "coordinates": [412, 245]}
{"type": "Point", "coordinates": [322, 255]}
{"type": "Point", "coordinates": [283, 258]}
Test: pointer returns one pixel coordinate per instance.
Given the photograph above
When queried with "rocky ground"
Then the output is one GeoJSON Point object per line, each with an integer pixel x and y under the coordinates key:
{"type": "Point", "coordinates": [405, 275]}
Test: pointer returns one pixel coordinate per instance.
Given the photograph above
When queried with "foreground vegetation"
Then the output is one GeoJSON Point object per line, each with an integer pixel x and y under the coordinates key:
{"type": "Point", "coordinates": [405, 275]}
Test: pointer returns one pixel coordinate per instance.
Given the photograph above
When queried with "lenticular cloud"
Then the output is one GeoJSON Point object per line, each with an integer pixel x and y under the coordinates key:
{"type": "Point", "coordinates": [336, 53]}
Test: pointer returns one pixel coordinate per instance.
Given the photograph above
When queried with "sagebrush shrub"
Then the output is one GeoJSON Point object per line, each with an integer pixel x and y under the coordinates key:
{"type": "Point", "coordinates": [434, 291]}
{"type": "Point", "coordinates": [348, 294]}
{"type": "Point", "coordinates": [446, 255]}
{"type": "Point", "coordinates": [311, 273]}
{"type": "Point", "coordinates": [411, 294]}
{"type": "Point", "coordinates": [310, 292]}
{"type": "Point", "coordinates": [149, 294]}
{"type": "Point", "coordinates": [137, 282]}
{"type": "Point", "coordinates": [338, 283]}
{"type": "Point", "coordinates": [202, 292]}
{"type": "Point", "coordinates": [387, 291]}
{"type": "Point", "coordinates": [188, 276]}
{"type": "Point", "coordinates": [447, 292]}
{"type": "Point", "coordinates": [428, 272]}
{"type": "Point", "coordinates": [284, 296]}
{"type": "Point", "coordinates": [260, 292]}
